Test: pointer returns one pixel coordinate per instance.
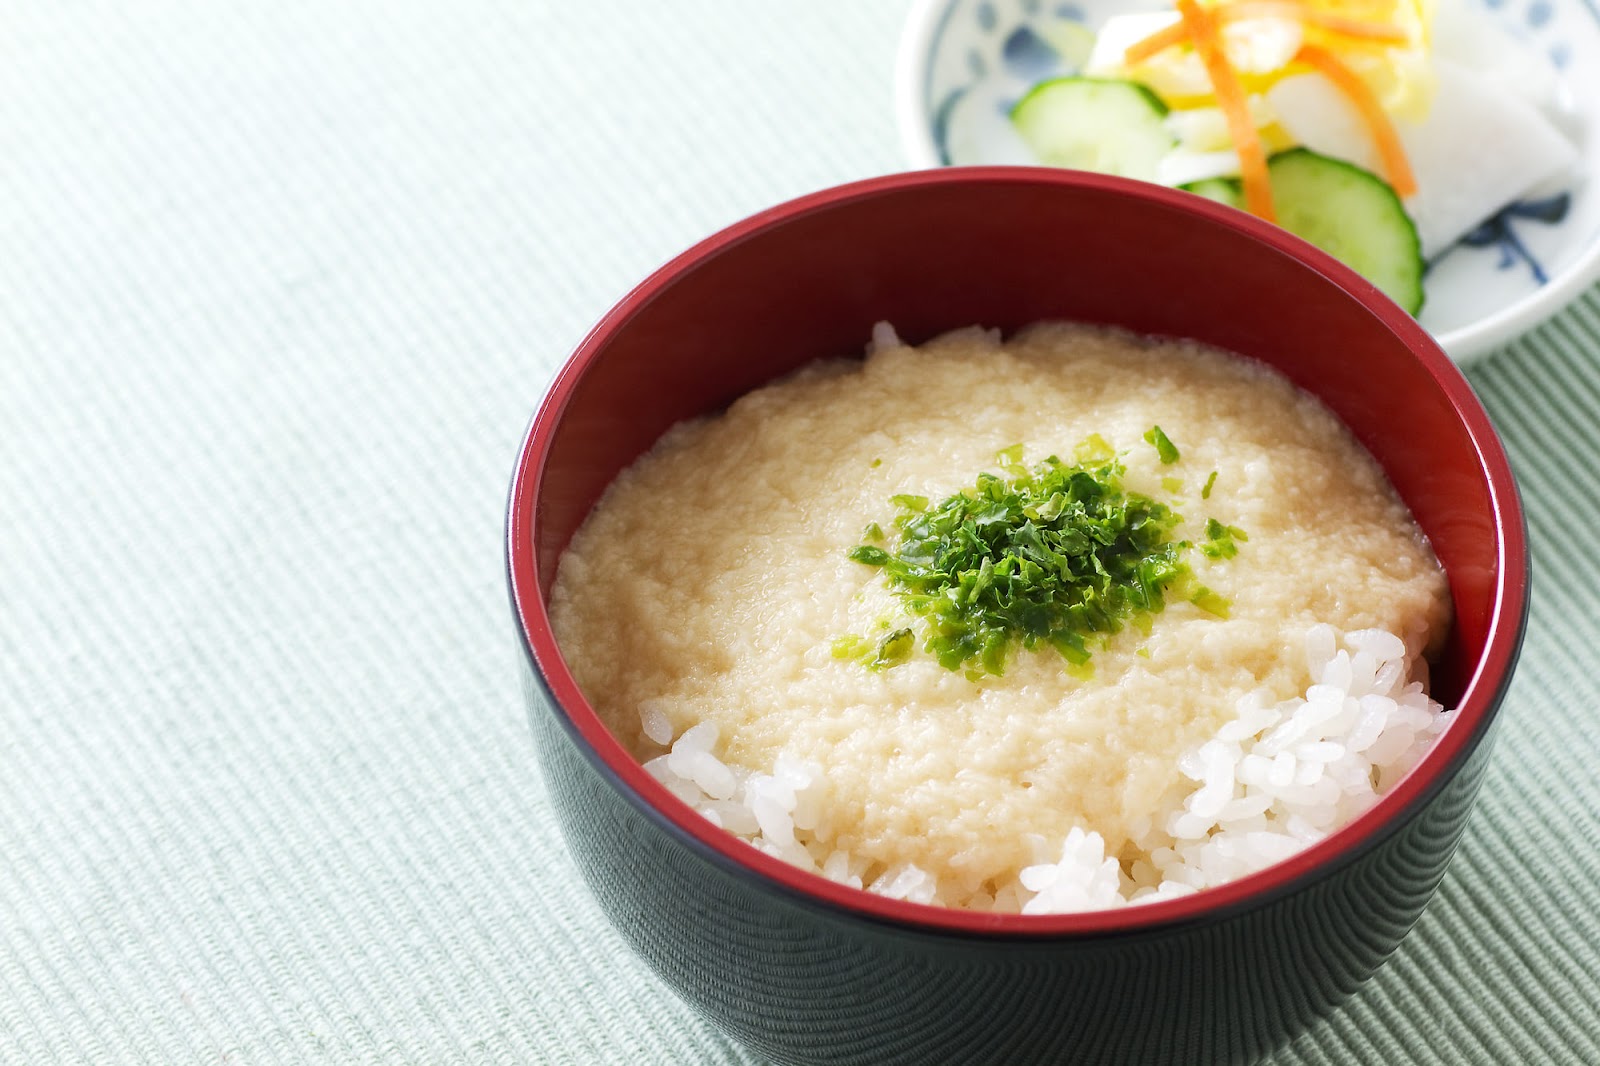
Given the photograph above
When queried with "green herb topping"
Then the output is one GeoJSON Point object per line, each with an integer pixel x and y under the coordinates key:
{"type": "Point", "coordinates": [1210, 602]}
{"type": "Point", "coordinates": [1057, 553]}
{"type": "Point", "coordinates": [866, 553]}
{"type": "Point", "coordinates": [875, 655]}
{"type": "Point", "coordinates": [1205, 493]}
{"type": "Point", "coordinates": [1164, 447]}
{"type": "Point", "coordinates": [910, 503]}
{"type": "Point", "coordinates": [1219, 542]}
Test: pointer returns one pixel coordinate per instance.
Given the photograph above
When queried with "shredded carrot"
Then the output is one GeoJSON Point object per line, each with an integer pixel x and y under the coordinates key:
{"type": "Point", "coordinates": [1348, 27]}
{"type": "Point", "coordinates": [1235, 106]}
{"type": "Point", "coordinates": [1166, 37]}
{"type": "Point", "coordinates": [1396, 167]}
{"type": "Point", "coordinates": [1341, 25]}
{"type": "Point", "coordinates": [1202, 28]}
{"type": "Point", "coordinates": [1177, 33]}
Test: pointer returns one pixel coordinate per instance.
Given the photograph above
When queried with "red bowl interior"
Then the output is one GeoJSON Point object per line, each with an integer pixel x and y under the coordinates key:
{"type": "Point", "coordinates": [1005, 247]}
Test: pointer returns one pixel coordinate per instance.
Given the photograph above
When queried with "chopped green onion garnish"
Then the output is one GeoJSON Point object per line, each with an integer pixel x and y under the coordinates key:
{"type": "Point", "coordinates": [1094, 449]}
{"type": "Point", "coordinates": [1219, 542]}
{"type": "Point", "coordinates": [1164, 447]}
{"type": "Point", "coordinates": [875, 655]}
{"type": "Point", "coordinates": [895, 648]}
{"type": "Point", "coordinates": [1205, 493]}
{"type": "Point", "coordinates": [1210, 602]}
{"type": "Point", "coordinates": [1058, 554]}
{"type": "Point", "coordinates": [851, 647]}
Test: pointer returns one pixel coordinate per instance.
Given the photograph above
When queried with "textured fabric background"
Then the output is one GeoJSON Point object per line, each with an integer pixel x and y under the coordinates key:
{"type": "Point", "coordinates": [280, 284]}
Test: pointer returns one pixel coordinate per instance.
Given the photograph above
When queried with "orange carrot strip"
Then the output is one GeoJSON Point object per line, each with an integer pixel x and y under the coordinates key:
{"type": "Point", "coordinates": [1347, 27]}
{"type": "Point", "coordinates": [1235, 106]}
{"type": "Point", "coordinates": [1178, 32]}
{"type": "Point", "coordinates": [1341, 25]}
{"type": "Point", "coordinates": [1396, 167]}
{"type": "Point", "coordinates": [1159, 41]}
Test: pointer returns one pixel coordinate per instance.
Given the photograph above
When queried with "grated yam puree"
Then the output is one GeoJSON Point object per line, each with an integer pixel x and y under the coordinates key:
{"type": "Point", "coordinates": [698, 606]}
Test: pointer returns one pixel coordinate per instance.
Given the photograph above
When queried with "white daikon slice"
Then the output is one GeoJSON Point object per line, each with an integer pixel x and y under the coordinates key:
{"type": "Point", "coordinates": [1479, 148]}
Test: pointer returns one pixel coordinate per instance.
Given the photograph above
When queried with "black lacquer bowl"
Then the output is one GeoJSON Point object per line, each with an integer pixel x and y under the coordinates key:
{"type": "Point", "coordinates": [805, 970]}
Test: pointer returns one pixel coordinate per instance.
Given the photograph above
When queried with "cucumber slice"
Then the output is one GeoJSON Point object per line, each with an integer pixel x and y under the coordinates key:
{"type": "Point", "coordinates": [1100, 124]}
{"type": "Point", "coordinates": [1353, 215]}
{"type": "Point", "coordinates": [1222, 190]}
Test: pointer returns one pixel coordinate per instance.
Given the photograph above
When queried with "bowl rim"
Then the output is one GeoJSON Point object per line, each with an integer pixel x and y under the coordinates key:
{"type": "Point", "coordinates": [1481, 696]}
{"type": "Point", "coordinates": [925, 21]}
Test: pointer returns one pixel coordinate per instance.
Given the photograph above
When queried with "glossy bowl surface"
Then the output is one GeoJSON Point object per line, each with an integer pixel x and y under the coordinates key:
{"type": "Point", "coordinates": [766, 950]}
{"type": "Point", "coordinates": [962, 63]}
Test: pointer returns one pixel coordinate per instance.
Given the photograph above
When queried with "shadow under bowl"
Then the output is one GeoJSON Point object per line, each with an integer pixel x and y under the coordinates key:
{"type": "Point", "coordinates": [806, 970]}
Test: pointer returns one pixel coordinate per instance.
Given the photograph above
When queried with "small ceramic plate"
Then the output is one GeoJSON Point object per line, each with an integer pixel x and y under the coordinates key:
{"type": "Point", "coordinates": [963, 63]}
